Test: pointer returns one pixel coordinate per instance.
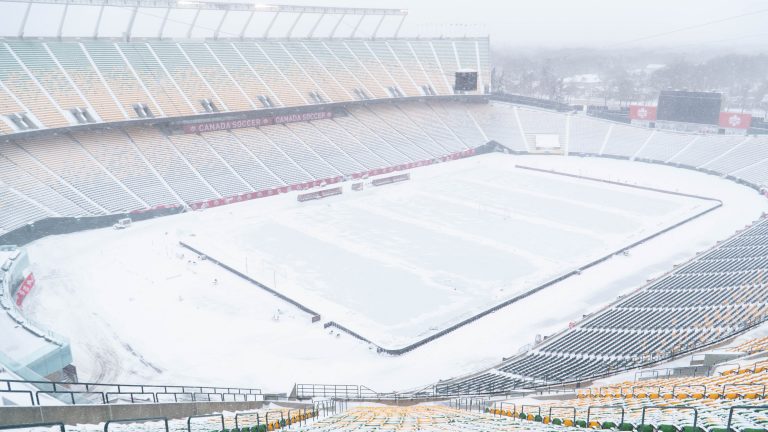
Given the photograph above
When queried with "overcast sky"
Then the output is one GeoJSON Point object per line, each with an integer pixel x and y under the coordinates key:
{"type": "Point", "coordinates": [584, 22]}
{"type": "Point", "coordinates": [537, 23]}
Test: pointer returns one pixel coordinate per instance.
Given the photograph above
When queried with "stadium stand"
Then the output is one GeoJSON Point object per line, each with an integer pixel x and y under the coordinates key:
{"type": "Point", "coordinates": [243, 162]}
{"type": "Point", "coordinates": [752, 345]}
{"type": "Point", "coordinates": [588, 136]}
{"type": "Point", "coordinates": [371, 140]}
{"type": "Point", "coordinates": [349, 144]}
{"type": "Point", "coordinates": [461, 122]}
{"type": "Point", "coordinates": [662, 146]}
{"type": "Point", "coordinates": [26, 93]}
{"type": "Point", "coordinates": [267, 419]}
{"type": "Point", "coordinates": [625, 141]}
{"type": "Point", "coordinates": [501, 124]}
{"type": "Point", "coordinates": [324, 148]}
{"type": "Point", "coordinates": [725, 286]}
{"type": "Point", "coordinates": [119, 80]}
{"type": "Point", "coordinates": [173, 170]}
{"type": "Point", "coordinates": [273, 158]}
{"type": "Point", "coordinates": [400, 76]}
{"type": "Point", "coordinates": [534, 122]}
{"type": "Point", "coordinates": [217, 79]}
{"type": "Point", "coordinates": [745, 154]}
{"type": "Point", "coordinates": [432, 67]}
{"type": "Point", "coordinates": [57, 83]}
{"type": "Point", "coordinates": [211, 168]}
{"type": "Point", "coordinates": [706, 149]}
{"type": "Point", "coordinates": [427, 418]}
{"type": "Point", "coordinates": [115, 153]}
{"type": "Point", "coordinates": [154, 76]}
{"type": "Point", "coordinates": [663, 401]}
{"type": "Point", "coordinates": [132, 168]}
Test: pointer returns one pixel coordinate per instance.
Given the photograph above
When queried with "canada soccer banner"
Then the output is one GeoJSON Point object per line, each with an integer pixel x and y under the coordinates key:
{"type": "Point", "coordinates": [735, 120]}
{"type": "Point", "coordinates": [640, 112]}
{"type": "Point", "coordinates": [25, 288]}
{"type": "Point", "coordinates": [212, 126]}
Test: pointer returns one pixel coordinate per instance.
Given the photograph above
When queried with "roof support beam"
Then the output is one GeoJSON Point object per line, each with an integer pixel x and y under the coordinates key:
{"type": "Point", "coordinates": [247, 23]}
{"type": "Point", "coordinates": [232, 10]}
{"type": "Point", "coordinates": [314, 27]}
{"type": "Point", "coordinates": [221, 23]}
{"type": "Point", "coordinates": [293, 26]}
{"type": "Point", "coordinates": [98, 22]}
{"type": "Point", "coordinates": [271, 23]}
{"type": "Point", "coordinates": [129, 29]}
{"type": "Point", "coordinates": [399, 26]}
{"type": "Point", "coordinates": [378, 26]}
{"type": "Point", "coordinates": [61, 22]}
{"type": "Point", "coordinates": [23, 24]}
{"type": "Point", "coordinates": [357, 26]}
{"type": "Point", "coordinates": [217, 5]}
{"type": "Point", "coordinates": [162, 25]}
{"type": "Point", "coordinates": [193, 24]}
{"type": "Point", "coordinates": [336, 27]}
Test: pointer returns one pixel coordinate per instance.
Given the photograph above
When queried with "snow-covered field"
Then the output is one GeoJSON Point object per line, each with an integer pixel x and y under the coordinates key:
{"type": "Point", "coordinates": [399, 262]}
{"type": "Point", "coordinates": [393, 261]}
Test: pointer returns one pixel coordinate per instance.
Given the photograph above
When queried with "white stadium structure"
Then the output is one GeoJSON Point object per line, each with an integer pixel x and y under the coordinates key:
{"type": "Point", "coordinates": [259, 199]}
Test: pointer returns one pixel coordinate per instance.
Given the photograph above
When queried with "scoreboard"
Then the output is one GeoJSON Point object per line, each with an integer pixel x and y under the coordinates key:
{"type": "Point", "coordinates": [690, 107]}
{"type": "Point", "coordinates": [466, 80]}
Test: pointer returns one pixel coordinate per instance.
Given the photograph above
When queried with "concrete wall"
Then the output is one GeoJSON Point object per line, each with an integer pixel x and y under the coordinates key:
{"type": "Point", "coordinates": [94, 414]}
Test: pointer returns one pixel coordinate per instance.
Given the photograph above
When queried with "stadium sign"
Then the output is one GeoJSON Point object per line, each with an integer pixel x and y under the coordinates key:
{"type": "Point", "coordinates": [735, 120]}
{"type": "Point", "coordinates": [25, 288]}
{"type": "Point", "coordinates": [643, 113]}
{"type": "Point", "coordinates": [211, 126]}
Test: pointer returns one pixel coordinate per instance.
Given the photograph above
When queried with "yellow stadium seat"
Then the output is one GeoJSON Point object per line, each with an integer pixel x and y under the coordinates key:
{"type": "Point", "coordinates": [567, 422]}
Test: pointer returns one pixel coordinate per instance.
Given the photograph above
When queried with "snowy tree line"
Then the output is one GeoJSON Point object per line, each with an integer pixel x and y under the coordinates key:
{"type": "Point", "coordinates": [613, 78]}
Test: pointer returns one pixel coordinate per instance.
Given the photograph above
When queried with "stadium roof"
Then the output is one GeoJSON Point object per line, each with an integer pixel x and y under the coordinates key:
{"type": "Point", "coordinates": [128, 19]}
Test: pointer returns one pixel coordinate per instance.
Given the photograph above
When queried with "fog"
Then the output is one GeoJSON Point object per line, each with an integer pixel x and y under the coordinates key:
{"type": "Point", "coordinates": [591, 23]}
{"type": "Point", "coordinates": [689, 25]}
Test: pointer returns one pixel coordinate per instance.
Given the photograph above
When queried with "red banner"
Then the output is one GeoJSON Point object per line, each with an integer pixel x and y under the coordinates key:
{"type": "Point", "coordinates": [211, 126]}
{"type": "Point", "coordinates": [735, 120]}
{"type": "Point", "coordinates": [25, 288]}
{"type": "Point", "coordinates": [324, 182]}
{"type": "Point", "coordinates": [641, 112]}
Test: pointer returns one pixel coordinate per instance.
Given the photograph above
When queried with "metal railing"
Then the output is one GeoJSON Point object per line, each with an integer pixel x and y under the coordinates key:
{"type": "Point", "coordinates": [106, 393]}
{"type": "Point", "coordinates": [340, 391]}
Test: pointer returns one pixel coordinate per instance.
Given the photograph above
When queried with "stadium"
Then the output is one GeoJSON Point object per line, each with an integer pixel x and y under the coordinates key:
{"type": "Point", "coordinates": [243, 217]}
